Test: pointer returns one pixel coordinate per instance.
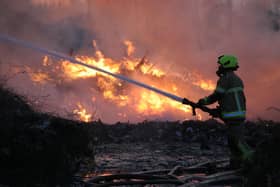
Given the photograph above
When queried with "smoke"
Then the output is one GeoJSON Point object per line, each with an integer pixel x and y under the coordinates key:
{"type": "Point", "coordinates": [189, 35]}
{"type": "Point", "coordinates": [176, 35]}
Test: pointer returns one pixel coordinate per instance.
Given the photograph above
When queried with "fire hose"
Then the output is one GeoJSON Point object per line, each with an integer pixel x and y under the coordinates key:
{"type": "Point", "coordinates": [6, 38]}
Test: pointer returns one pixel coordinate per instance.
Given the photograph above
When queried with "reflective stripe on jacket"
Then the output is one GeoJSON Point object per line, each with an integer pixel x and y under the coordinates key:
{"type": "Point", "coordinates": [230, 96]}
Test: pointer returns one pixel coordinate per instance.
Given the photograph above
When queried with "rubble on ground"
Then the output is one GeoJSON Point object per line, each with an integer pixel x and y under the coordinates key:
{"type": "Point", "coordinates": [45, 150]}
{"type": "Point", "coordinates": [38, 149]}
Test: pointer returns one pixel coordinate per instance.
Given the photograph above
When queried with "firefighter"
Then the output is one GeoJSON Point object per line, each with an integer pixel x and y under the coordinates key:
{"type": "Point", "coordinates": [232, 107]}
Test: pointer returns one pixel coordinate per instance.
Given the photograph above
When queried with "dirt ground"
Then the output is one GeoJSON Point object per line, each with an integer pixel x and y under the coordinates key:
{"type": "Point", "coordinates": [134, 157]}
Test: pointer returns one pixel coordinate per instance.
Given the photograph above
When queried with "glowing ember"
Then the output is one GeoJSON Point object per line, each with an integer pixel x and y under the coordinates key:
{"type": "Point", "coordinates": [82, 113]}
{"type": "Point", "coordinates": [38, 77]}
{"type": "Point", "coordinates": [197, 80]}
{"type": "Point", "coordinates": [205, 84]}
{"type": "Point", "coordinates": [45, 60]}
{"type": "Point", "coordinates": [130, 47]}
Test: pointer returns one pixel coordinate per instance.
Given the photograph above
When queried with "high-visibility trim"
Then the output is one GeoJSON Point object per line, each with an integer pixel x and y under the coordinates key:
{"type": "Point", "coordinates": [220, 90]}
{"type": "Point", "coordinates": [235, 89]}
{"type": "Point", "coordinates": [237, 101]}
{"type": "Point", "coordinates": [234, 114]}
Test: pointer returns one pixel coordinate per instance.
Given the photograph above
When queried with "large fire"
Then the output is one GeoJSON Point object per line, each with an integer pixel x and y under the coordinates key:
{"type": "Point", "coordinates": [119, 93]}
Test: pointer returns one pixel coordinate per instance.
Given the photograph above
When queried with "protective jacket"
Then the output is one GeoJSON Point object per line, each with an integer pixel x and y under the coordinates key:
{"type": "Point", "coordinates": [230, 96]}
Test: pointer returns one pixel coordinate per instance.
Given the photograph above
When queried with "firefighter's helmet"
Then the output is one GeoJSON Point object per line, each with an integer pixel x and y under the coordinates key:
{"type": "Point", "coordinates": [228, 61]}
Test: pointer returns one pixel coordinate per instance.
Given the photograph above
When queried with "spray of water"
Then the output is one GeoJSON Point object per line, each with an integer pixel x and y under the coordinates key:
{"type": "Point", "coordinates": [6, 38]}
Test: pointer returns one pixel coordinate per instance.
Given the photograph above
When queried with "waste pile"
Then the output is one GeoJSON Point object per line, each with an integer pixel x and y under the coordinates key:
{"type": "Point", "coordinates": [124, 150]}
{"type": "Point", "coordinates": [38, 149]}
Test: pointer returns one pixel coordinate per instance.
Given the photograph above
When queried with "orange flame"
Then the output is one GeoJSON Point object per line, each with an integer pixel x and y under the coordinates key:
{"type": "Point", "coordinates": [38, 76]}
{"type": "Point", "coordinates": [82, 113]}
{"type": "Point", "coordinates": [197, 80]}
{"type": "Point", "coordinates": [130, 47]}
{"type": "Point", "coordinates": [205, 84]}
{"type": "Point", "coordinates": [126, 98]}
{"type": "Point", "coordinates": [152, 103]}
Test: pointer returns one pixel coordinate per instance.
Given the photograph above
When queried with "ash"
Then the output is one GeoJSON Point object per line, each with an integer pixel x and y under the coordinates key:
{"type": "Point", "coordinates": [157, 145]}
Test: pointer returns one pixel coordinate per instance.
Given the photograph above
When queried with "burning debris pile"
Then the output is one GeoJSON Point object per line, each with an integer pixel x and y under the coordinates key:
{"type": "Point", "coordinates": [182, 38]}
{"type": "Point", "coordinates": [98, 89]}
{"type": "Point", "coordinates": [36, 148]}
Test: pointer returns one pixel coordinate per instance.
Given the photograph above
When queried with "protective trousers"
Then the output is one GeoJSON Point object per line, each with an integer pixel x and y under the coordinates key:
{"type": "Point", "coordinates": [239, 149]}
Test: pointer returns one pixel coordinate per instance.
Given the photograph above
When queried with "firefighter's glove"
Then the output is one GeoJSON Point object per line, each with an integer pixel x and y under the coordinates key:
{"type": "Point", "coordinates": [215, 113]}
{"type": "Point", "coordinates": [201, 102]}
{"type": "Point", "coordinates": [185, 101]}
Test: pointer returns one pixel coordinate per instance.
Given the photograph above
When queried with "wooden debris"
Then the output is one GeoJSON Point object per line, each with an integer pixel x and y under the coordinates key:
{"type": "Point", "coordinates": [179, 175]}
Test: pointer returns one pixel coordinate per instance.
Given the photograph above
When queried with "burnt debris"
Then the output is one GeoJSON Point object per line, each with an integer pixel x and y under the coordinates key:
{"type": "Point", "coordinates": [38, 149]}
{"type": "Point", "coordinates": [45, 150]}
